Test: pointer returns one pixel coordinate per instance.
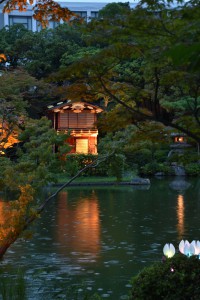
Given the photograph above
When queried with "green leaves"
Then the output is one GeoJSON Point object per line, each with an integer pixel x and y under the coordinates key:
{"type": "Point", "coordinates": [188, 55]}
{"type": "Point", "coordinates": [171, 279]}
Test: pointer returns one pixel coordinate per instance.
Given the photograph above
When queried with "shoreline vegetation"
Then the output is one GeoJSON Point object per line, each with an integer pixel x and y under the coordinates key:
{"type": "Point", "coordinates": [103, 180]}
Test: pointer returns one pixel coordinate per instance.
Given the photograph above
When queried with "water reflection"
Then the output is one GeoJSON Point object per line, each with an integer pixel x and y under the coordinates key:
{"type": "Point", "coordinates": [179, 184]}
{"type": "Point", "coordinates": [2, 212]}
{"type": "Point", "coordinates": [79, 224]}
{"type": "Point", "coordinates": [180, 216]}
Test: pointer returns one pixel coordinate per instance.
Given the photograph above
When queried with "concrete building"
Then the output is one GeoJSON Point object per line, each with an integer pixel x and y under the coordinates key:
{"type": "Point", "coordinates": [87, 10]}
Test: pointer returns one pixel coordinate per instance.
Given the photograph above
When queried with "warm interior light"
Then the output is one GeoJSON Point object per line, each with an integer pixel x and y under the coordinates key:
{"type": "Point", "coordinates": [2, 57]}
{"type": "Point", "coordinates": [179, 139]}
{"type": "Point", "coordinates": [77, 111]}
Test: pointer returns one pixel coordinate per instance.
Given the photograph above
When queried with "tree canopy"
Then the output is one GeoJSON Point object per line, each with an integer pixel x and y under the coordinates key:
{"type": "Point", "coordinates": [137, 66]}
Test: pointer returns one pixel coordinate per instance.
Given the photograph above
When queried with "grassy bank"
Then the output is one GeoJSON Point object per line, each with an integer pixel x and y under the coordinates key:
{"type": "Point", "coordinates": [62, 178]}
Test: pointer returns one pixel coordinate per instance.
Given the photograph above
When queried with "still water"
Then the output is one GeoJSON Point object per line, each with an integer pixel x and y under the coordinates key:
{"type": "Point", "coordinates": [102, 236]}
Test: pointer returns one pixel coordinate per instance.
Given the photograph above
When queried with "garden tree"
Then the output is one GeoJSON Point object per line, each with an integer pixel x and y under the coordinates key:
{"type": "Point", "coordinates": [21, 95]}
{"type": "Point", "coordinates": [135, 68]}
{"type": "Point", "coordinates": [48, 47]}
{"type": "Point", "coordinates": [38, 52]}
{"type": "Point", "coordinates": [140, 145]}
{"type": "Point", "coordinates": [12, 44]}
{"type": "Point", "coordinates": [13, 87]}
{"type": "Point", "coordinates": [113, 10]}
{"type": "Point", "coordinates": [114, 119]}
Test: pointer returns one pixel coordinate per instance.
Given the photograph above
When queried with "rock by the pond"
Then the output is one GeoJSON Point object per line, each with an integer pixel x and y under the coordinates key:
{"type": "Point", "coordinates": [140, 181]}
{"type": "Point", "coordinates": [159, 174]}
{"type": "Point", "coordinates": [179, 184]}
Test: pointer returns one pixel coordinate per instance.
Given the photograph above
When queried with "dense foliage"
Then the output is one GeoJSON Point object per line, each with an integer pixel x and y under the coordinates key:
{"type": "Point", "coordinates": [174, 278]}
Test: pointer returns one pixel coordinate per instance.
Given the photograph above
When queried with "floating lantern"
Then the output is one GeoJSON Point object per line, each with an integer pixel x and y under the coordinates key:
{"type": "Point", "coordinates": [196, 245]}
{"type": "Point", "coordinates": [189, 250]}
{"type": "Point", "coordinates": [186, 248]}
{"type": "Point", "coordinates": [182, 245]}
{"type": "Point", "coordinates": [169, 250]}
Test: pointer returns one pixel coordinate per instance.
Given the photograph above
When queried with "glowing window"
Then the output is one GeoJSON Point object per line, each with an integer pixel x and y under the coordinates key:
{"type": "Point", "coordinates": [82, 146]}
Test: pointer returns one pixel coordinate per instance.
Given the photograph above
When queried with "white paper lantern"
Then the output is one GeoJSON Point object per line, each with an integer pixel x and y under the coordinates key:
{"type": "Point", "coordinates": [169, 250]}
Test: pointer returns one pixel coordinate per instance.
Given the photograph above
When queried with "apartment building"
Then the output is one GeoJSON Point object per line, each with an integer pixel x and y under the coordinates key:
{"type": "Point", "coordinates": [86, 10]}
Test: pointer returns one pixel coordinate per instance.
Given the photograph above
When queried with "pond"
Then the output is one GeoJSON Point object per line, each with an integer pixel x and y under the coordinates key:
{"type": "Point", "coordinates": [101, 236]}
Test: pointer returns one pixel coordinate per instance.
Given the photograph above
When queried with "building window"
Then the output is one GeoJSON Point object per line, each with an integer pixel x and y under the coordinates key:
{"type": "Point", "coordinates": [94, 14]}
{"type": "Point", "coordinates": [51, 25]}
{"type": "Point", "coordinates": [25, 21]}
{"type": "Point", "coordinates": [82, 14]}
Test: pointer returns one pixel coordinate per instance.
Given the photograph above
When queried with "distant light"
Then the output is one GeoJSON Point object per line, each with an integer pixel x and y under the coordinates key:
{"type": "Point", "coordinates": [50, 106]}
{"type": "Point", "coordinates": [60, 103]}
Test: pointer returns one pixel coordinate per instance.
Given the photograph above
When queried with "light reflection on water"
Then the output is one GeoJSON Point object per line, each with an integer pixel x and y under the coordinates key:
{"type": "Point", "coordinates": [79, 225]}
{"type": "Point", "coordinates": [103, 236]}
{"type": "Point", "coordinates": [180, 216]}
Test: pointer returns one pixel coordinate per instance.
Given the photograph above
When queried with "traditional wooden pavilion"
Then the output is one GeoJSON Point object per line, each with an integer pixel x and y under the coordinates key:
{"type": "Point", "coordinates": [80, 119]}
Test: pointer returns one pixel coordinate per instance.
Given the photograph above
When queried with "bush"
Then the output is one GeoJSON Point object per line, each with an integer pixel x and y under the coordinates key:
{"type": "Point", "coordinates": [192, 169]}
{"type": "Point", "coordinates": [184, 158]}
{"type": "Point", "coordinates": [140, 157]}
{"type": "Point", "coordinates": [161, 155]}
{"type": "Point", "coordinates": [154, 167]}
{"type": "Point", "coordinates": [13, 288]}
{"type": "Point", "coordinates": [76, 162]}
{"type": "Point", "coordinates": [114, 166]}
{"type": "Point", "coordinates": [176, 278]}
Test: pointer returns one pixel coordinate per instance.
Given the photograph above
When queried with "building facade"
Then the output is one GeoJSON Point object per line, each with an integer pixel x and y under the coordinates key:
{"type": "Point", "coordinates": [86, 10]}
{"type": "Point", "coordinates": [78, 119]}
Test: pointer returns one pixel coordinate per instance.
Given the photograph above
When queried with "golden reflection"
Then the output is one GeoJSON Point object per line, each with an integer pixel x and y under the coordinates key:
{"type": "Point", "coordinates": [180, 216]}
{"type": "Point", "coordinates": [5, 216]}
{"type": "Point", "coordinates": [79, 224]}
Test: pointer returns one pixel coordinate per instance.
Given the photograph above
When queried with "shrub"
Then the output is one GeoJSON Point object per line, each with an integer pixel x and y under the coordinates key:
{"type": "Point", "coordinates": [154, 167]}
{"type": "Point", "coordinates": [13, 288]}
{"type": "Point", "coordinates": [140, 157]}
{"type": "Point", "coordinates": [161, 155]}
{"type": "Point", "coordinates": [184, 158]}
{"type": "Point", "coordinates": [116, 166]}
{"type": "Point", "coordinates": [192, 169]}
{"type": "Point", "coordinates": [76, 162]}
{"type": "Point", "coordinates": [176, 278]}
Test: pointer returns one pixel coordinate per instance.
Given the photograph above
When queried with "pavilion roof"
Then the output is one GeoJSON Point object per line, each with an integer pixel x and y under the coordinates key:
{"type": "Point", "coordinates": [76, 107]}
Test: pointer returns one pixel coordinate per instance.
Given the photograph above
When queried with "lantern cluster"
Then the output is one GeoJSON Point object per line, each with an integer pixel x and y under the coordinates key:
{"type": "Point", "coordinates": [185, 248]}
